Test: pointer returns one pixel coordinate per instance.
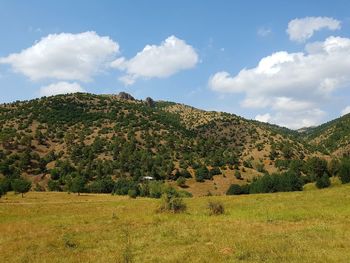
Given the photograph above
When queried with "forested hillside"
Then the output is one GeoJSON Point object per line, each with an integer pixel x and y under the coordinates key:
{"type": "Point", "coordinates": [99, 140]}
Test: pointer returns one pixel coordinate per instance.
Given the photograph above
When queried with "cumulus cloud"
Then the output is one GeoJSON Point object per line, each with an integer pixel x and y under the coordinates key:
{"type": "Point", "coordinates": [263, 117]}
{"type": "Point", "coordinates": [293, 119]}
{"type": "Point", "coordinates": [64, 56]}
{"type": "Point", "coordinates": [301, 29]}
{"type": "Point", "coordinates": [292, 82]}
{"type": "Point", "coordinates": [345, 111]}
{"type": "Point", "coordinates": [166, 59]}
{"type": "Point", "coordinates": [60, 88]}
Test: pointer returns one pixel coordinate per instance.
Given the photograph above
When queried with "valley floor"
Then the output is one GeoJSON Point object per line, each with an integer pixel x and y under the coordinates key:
{"type": "Point", "coordinates": [309, 226]}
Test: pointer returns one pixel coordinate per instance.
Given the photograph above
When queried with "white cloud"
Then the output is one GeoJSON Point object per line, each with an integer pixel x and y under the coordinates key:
{"type": "Point", "coordinates": [263, 117]}
{"type": "Point", "coordinates": [345, 111]}
{"type": "Point", "coordinates": [60, 88]}
{"type": "Point", "coordinates": [64, 56]}
{"type": "Point", "coordinates": [264, 31]}
{"type": "Point", "coordinates": [301, 29]}
{"type": "Point", "coordinates": [294, 119]}
{"type": "Point", "coordinates": [295, 83]}
{"type": "Point", "coordinates": [170, 57]}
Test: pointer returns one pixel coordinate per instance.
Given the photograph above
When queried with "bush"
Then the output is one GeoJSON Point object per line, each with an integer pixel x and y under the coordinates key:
{"type": "Point", "coordinates": [171, 201]}
{"type": "Point", "coordinates": [214, 171]}
{"type": "Point", "coordinates": [238, 175]}
{"type": "Point", "coordinates": [260, 168]}
{"type": "Point", "coordinates": [185, 173]}
{"type": "Point", "coordinates": [184, 194]}
{"type": "Point", "coordinates": [181, 181]}
{"type": "Point", "coordinates": [245, 189]}
{"type": "Point", "coordinates": [5, 185]}
{"type": "Point", "coordinates": [123, 185]}
{"type": "Point", "coordinates": [323, 182]}
{"type": "Point", "coordinates": [101, 186]}
{"type": "Point", "coordinates": [316, 167]}
{"type": "Point", "coordinates": [216, 208]}
{"type": "Point", "coordinates": [234, 189]}
{"type": "Point", "coordinates": [54, 186]}
{"type": "Point", "coordinates": [344, 171]}
{"type": "Point", "coordinates": [155, 189]}
{"type": "Point", "coordinates": [132, 193]}
{"type": "Point", "coordinates": [202, 173]}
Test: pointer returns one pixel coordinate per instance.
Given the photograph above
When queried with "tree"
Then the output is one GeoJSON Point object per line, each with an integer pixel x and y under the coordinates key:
{"type": "Point", "coordinates": [316, 167]}
{"type": "Point", "coordinates": [21, 186]}
{"type": "Point", "coordinates": [234, 189]}
{"type": "Point", "coordinates": [333, 167]}
{"type": "Point", "coordinates": [238, 175]}
{"type": "Point", "coordinates": [202, 173]}
{"type": "Point", "coordinates": [323, 181]}
{"type": "Point", "coordinates": [78, 184]}
{"type": "Point", "coordinates": [287, 151]}
{"type": "Point", "coordinates": [344, 171]}
{"type": "Point", "coordinates": [54, 185]}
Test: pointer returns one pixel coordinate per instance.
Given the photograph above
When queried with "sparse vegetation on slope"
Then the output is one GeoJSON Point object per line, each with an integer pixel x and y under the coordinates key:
{"type": "Point", "coordinates": [96, 140]}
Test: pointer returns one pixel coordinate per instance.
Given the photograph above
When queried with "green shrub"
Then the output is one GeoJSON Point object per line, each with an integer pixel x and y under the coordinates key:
{"type": "Point", "coordinates": [323, 182]}
{"type": "Point", "coordinates": [54, 186]}
{"type": "Point", "coordinates": [155, 189]}
{"type": "Point", "coordinates": [181, 181]}
{"type": "Point", "coordinates": [132, 193]}
{"type": "Point", "coordinates": [214, 171]}
{"type": "Point", "coordinates": [234, 189]}
{"type": "Point", "coordinates": [216, 208]}
{"type": "Point", "coordinates": [202, 173]}
{"type": "Point", "coordinates": [171, 201]}
{"type": "Point", "coordinates": [238, 175]}
{"type": "Point", "coordinates": [184, 194]}
{"type": "Point", "coordinates": [344, 171]}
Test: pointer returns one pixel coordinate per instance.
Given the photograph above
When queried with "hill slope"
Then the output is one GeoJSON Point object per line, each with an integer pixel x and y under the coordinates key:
{"type": "Point", "coordinates": [108, 136]}
{"type": "Point", "coordinates": [332, 137]}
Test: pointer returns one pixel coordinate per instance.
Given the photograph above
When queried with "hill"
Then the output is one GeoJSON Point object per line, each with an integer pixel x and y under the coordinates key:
{"type": "Point", "coordinates": [106, 137]}
{"type": "Point", "coordinates": [332, 137]}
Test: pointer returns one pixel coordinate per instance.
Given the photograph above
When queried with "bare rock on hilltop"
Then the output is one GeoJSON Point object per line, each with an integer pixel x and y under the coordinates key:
{"type": "Point", "coordinates": [125, 96]}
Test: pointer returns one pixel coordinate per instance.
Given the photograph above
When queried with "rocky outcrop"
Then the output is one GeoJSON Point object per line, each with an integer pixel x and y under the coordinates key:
{"type": "Point", "coordinates": [150, 102]}
{"type": "Point", "coordinates": [125, 96]}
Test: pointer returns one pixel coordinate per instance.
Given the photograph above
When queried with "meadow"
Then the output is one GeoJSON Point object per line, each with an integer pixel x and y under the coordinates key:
{"type": "Point", "coordinates": [308, 226]}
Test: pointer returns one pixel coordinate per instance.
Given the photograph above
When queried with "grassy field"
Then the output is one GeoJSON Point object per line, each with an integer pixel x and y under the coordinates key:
{"type": "Point", "coordinates": [309, 226]}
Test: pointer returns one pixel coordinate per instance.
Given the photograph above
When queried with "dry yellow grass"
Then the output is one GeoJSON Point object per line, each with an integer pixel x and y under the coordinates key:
{"type": "Point", "coordinates": [310, 226]}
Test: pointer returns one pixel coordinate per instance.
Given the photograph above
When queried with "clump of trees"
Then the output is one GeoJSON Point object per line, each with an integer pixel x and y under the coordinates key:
{"type": "Point", "coordinates": [284, 182]}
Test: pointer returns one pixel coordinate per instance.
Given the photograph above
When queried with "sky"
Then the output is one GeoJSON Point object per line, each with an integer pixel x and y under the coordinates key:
{"type": "Point", "coordinates": [282, 62]}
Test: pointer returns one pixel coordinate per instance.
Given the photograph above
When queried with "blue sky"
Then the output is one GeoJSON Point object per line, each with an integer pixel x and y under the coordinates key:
{"type": "Point", "coordinates": [200, 40]}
